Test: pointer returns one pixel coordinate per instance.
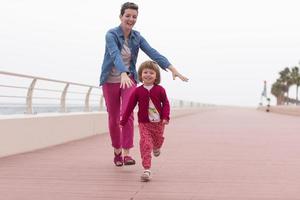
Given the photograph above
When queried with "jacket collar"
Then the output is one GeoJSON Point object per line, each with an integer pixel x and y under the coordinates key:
{"type": "Point", "coordinates": [154, 85]}
{"type": "Point", "coordinates": [121, 34]}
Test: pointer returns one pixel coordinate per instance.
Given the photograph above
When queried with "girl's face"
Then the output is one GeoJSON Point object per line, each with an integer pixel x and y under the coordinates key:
{"type": "Point", "coordinates": [148, 76]}
{"type": "Point", "coordinates": [128, 19]}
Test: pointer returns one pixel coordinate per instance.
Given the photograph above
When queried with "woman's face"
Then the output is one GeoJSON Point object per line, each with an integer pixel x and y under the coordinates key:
{"type": "Point", "coordinates": [128, 19]}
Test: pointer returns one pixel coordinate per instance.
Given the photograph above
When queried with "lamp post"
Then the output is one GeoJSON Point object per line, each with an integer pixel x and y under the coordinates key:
{"type": "Point", "coordinates": [263, 93]}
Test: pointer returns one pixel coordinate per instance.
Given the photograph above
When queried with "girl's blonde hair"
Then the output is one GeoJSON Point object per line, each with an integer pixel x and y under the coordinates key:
{"type": "Point", "coordinates": [149, 64]}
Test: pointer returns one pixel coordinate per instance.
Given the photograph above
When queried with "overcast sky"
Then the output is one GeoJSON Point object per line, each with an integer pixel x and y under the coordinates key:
{"type": "Point", "coordinates": [226, 48]}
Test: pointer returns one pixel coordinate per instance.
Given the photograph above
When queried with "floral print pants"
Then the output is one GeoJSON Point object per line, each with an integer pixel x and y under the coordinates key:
{"type": "Point", "coordinates": [151, 137]}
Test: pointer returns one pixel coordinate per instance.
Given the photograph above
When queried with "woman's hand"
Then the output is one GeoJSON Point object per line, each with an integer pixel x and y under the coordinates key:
{"type": "Point", "coordinates": [175, 74]}
{"type": "Point", "coordinates": [125, 81]}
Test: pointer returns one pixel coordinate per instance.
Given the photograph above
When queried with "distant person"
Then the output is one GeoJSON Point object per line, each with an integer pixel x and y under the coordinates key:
{"type": "Point", "coordinates": [153, 113]}
{"type": "Point", "coordinates": [119, 78]}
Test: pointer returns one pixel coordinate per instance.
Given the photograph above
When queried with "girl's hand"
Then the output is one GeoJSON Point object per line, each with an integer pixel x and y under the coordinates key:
{"type": "Point", "coordinates": [165, 122]}
{"type": "Point", "coordinates": [125, 81]}
{"type": "Point", "coordinates": [175, 74]}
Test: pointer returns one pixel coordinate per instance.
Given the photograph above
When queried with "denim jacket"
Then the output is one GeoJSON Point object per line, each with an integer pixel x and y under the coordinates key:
{"type": "Point", "coordinates": [114, 42]}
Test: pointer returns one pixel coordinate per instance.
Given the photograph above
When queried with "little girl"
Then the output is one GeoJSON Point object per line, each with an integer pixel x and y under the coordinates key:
{"type": "Point", "coordinates": [153, 113]}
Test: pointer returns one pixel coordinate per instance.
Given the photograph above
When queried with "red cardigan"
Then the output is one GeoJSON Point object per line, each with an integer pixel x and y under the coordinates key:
{"type": "Point", "coordinates": [142, 96]}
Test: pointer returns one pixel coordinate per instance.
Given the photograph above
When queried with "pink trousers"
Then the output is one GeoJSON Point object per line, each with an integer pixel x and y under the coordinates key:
{"type": "Point", "coordinates": [151, 137]}
{"type": "Point", "coordinates": [116, 100]}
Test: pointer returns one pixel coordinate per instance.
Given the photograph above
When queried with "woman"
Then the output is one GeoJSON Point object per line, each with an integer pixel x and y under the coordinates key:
{"type": "Point", "coordinates": [119, 77]}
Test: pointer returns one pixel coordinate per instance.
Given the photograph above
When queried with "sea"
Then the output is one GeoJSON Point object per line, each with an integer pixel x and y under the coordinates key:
{"type": "Point", "coordinates": [11, 110]}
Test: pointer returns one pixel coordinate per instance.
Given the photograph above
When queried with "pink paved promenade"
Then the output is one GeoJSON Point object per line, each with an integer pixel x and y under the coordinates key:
{"type": "Point", "coordinates": [216, 154]}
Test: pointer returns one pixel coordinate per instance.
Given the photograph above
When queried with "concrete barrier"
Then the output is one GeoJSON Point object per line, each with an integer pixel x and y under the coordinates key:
{"type": "Point", "coordinates": [25, 133]}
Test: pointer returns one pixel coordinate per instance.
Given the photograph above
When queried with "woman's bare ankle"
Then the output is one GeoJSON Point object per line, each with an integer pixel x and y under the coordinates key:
{"type": "Point", "coordinates": [126, 152]}
{"type": "Point", "coordinates": [117, 151]}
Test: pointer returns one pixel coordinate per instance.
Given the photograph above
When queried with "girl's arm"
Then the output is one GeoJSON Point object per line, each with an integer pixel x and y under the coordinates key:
{"type": "Point", "coordinates": [165, 105]}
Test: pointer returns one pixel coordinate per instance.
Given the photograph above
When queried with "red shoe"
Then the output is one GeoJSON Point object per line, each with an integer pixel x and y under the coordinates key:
{"type": "Point", "coordinates": [118, 160]}
{"type": "Point", "coordinates": [128, 160]}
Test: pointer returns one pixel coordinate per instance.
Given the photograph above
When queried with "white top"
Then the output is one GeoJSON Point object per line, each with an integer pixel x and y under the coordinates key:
{"type": "Point", "coordinates": [114, 75]}
{"type": "Point", "coordinates": [152, 112]}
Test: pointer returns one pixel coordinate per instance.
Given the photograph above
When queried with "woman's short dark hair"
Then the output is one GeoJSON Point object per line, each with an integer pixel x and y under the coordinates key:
{"type": "Point", "coordinates": [128, 5]}
{"type": "Point", "coordinates": [149, 64]}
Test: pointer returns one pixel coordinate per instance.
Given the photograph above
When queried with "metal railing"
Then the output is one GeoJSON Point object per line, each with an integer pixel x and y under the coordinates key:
{"type": "Point", "coordinates": [62, 88]}
{"type": "Point", "coordinates": [31, 88]}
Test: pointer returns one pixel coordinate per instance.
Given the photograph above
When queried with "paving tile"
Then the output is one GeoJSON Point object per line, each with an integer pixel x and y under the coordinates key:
{"type": "Point", "coordinates": [216, 154]}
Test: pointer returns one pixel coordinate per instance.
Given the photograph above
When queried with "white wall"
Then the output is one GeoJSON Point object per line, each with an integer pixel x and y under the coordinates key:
{"type": "Point", "coordinates": [32, 132]}
{"type": "Point", "coordinates": [25, 133]}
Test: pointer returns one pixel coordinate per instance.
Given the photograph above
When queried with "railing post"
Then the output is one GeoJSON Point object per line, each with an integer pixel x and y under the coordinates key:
{"type": "Point", "coordinates": [29, 97]}
{"type": "Point", "coordinates": [101, 103]}
{"type": "Point", "coordinates": [181, 103]}
{"type": "Point", "coordinates": [87, 100]}
{"type": "Point", "coordinates": [63, 99]}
